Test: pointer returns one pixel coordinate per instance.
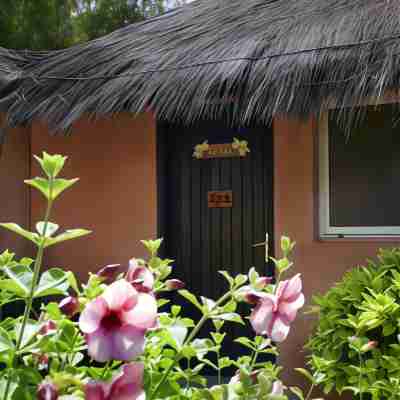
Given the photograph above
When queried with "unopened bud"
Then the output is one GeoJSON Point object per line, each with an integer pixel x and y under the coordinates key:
{"type": "Point", "coordinates": [251, 298]}
{"type": "Point", "coordinates": [286, 245]}
{"type": "Point", "coordinates": [369, 346]}
{"type": "Point", "coordinates": [277, 388]}
{"type": "Point", "coordinates": [174, 284]}
{"type": "Point", "coordinates": [262, 282]}
{"type": "Point", "coordinates": [69, 306]}
{"type": "Point", "coordinates": [48, 327]}
{"type": "Point", "coordinates": [109, 272]}
{"type": "Point", "coordinates": [47, 391]}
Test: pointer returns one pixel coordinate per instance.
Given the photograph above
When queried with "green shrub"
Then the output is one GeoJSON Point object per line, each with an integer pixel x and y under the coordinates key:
{"type": "Point", "coordinates": [355, 346]}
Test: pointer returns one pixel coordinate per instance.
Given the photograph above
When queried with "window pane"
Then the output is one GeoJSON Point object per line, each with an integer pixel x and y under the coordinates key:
{"type": "Point", "coordinates": [365, 170]}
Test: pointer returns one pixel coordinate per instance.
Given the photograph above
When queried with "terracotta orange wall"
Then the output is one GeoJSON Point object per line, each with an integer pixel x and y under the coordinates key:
{"type": "Point", "coordinates": [14, 194]}
{"type": "Point", "coordinates": [116, 196]}
{"type": "Point", "coordinates": [322, 263]}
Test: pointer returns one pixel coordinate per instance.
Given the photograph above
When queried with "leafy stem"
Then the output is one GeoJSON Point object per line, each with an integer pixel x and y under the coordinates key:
{"type": "Point", "coordinates": [207, 314]}
{"type": "Point", "coordinates": [360, 376]}
{"type": "Point", "coordinates": [35, 279]}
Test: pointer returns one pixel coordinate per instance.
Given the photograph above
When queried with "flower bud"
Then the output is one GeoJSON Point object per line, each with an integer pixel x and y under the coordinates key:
{"type": "Point", "coordinates": [140, 276]}
{"type": "Point", "coordinates": [69, 306]}
{"type": "Point", "coordinates": [286, 245]}
{"type": "Point", "coordinates": [251, 298]}
{"type": "Point", "coordinates": [47, 391]}
{"type": "Point", "coordinates": [262, 282]}
{"type": "Point", "coordinates": [369, 346]}
{"type": "Point", "coordinates": [277, 388]}
{"type": "Point", "coordinates": [174, 284]}
{"type": "Point", "coordinates": [48, 327]}
{"type": "Point", "coordinates": [109, 272]}
{"type": "Point", "coordinates": [43, 361]}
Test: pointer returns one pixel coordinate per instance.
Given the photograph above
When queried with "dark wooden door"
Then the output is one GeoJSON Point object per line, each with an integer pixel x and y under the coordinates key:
{"type": "Point", "coordinates": [204, 240]}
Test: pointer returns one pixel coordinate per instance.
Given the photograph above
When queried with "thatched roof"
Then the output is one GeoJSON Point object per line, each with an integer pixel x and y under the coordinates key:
{"type": "Point", "coordinates": [245, 60]}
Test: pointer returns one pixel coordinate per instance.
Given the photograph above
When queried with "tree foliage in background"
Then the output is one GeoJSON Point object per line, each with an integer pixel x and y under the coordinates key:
{"type": "Point", "coordinates": [56, 24]}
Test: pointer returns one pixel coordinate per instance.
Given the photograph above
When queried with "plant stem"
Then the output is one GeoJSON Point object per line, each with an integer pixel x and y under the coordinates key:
{"type": "Point", "coordinates": [192, 335]}
{"type": "Point", "coordinates": [312, 387]}
{"type": "Point", "coordinates": [360, 377]}
{"type": "Point", "coordinates": [254, 361]}
{"type": "Point", "coordinates": [35, 279]}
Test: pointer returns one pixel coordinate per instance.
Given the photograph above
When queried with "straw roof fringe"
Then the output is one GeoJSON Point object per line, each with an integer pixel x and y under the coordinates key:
{"type": "Point", "coordinates": [290, 56]}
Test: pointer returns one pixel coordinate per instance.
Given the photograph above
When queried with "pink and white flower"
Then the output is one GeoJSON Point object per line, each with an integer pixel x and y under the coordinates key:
{"type": "Point", "coordinates": [116, 322]}
{"type": "Point", "coordinates": [274, 312]}
{"type": "Point", "coordinates": [128, 385]}
{"type": "Point", "coordinates": [140, 277]}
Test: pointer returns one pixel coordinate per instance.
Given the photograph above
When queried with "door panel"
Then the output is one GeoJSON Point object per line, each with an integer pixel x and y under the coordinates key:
{"type": "Point", "coordinates": [204, 240]}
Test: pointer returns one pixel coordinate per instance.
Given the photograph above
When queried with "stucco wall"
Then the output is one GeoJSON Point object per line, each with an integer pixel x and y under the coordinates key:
{"type": "Point", "coordinates": [14, 168]}
{"type": "Point", "coordinates": [322, 263]}
{"type": "Point", "coordinates": [116, 196]}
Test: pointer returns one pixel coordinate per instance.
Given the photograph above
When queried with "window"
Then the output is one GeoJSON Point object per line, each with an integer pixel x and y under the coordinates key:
{"type": "Point", "coordinates": [359, 174]}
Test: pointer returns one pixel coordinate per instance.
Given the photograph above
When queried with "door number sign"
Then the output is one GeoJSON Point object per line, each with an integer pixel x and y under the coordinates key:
{"type": "Point", "coordinates": [220, 199]}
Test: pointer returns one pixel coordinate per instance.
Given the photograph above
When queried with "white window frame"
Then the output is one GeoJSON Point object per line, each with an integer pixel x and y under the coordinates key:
{"type": "Point", "coordinates": [326, 230]}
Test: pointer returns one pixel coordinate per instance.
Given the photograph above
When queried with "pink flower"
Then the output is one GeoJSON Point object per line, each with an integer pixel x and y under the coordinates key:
{"type": "Point", "coordinates": [274, 312]}
{"type": "Point", "coordinates": [115, 323]}
{"type": "Point", "coordinates": [140, 277]}
{"type": "Point", "coordinates": [69, 306]}
{"type": "Point", "coordinates": [128, 385]}
{"type": "Point", "coordinates": [47, 391]}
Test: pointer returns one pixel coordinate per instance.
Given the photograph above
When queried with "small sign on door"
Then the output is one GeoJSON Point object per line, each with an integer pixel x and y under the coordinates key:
{"type": "Point", "coordinates": [219, 199]}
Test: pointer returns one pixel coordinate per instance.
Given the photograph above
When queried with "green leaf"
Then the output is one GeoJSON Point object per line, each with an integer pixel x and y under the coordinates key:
{"type": "Point", "coordinates": [240, 279]}
{"type": "Point", "coordinates": [191, 298]}
{"type": "Point", "coordinates": [19, 282]}
{"type": "Point", "coordinates": [73, 283]}
{"type": "Point", "coordinates": [228, 277]}
{"type": "Point", "coordinates": [52, 282]}
{"type": "Point", "coordinates": [51, 228]}
{"type": "Point", "coordinates": [51, 164]}
{"type": "Point", "coordinates": [297, 391]}
{"type": "Point", "coordinates": [58, 186]}
{"type": "Point", "coordinates": [231, 317]}
{"type": "Point", "coordinates": [33, 237]}
{"type": "Point", "coordinates": [306, 374]}
{"type": "Point", "coordinates": [67, 235]}
{"type": "Point", "coordinates": [30, 331]}
{"type": "Point", "coordinates": [5, 341]}
{"type": "Point", "coordinates": [246, 342]}
{"type": "Point", "coordinates": [152, 246]}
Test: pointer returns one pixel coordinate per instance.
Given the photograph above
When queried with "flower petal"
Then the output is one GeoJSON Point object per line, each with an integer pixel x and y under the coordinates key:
{"type": "Point", "coordinates": [129, 384]}
{"type": "Point", "coordinates": [261, 316]}
{"type": "Point", "coordinates": [289, 308]}
{"type": "Point", "coordinates": [292, 289]}
{"type": "Point", "coordinates": [100, 345]}
{"type": "Point", "coordinates": [140, 276]}
{"type": "Point", "coordinates": [90, 319]}
{"type": "Point", "coordinates": [94, 391]}
{"type": "Point", "coordinates": [119, 293]}
{"type": "Point", "coordinates": [128, 343]}
{"type": "Point", "coordinates": [279, 330]}
{"type": "Point", "coordinates": [144, 314]}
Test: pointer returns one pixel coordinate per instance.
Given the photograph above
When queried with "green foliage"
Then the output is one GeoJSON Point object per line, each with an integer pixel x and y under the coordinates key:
{"type": "Point", "coordinates": [356, 345]}
{"type": "Point", "coordinates": [48, 346]}
{"type": "Point", "coordinates": [56, 24]}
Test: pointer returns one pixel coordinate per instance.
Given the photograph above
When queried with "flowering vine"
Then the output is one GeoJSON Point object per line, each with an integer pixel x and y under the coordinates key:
{"type": "Point", "coordinates": [118, 337]}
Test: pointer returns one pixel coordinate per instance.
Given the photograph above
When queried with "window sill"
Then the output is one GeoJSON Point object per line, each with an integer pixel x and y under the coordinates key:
{"type": "Point", "coordinates": [359, 238]}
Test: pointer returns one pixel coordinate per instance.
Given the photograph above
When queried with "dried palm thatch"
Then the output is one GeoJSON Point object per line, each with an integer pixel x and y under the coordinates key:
{"type": "Point", "coordinates": [213, 59]}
